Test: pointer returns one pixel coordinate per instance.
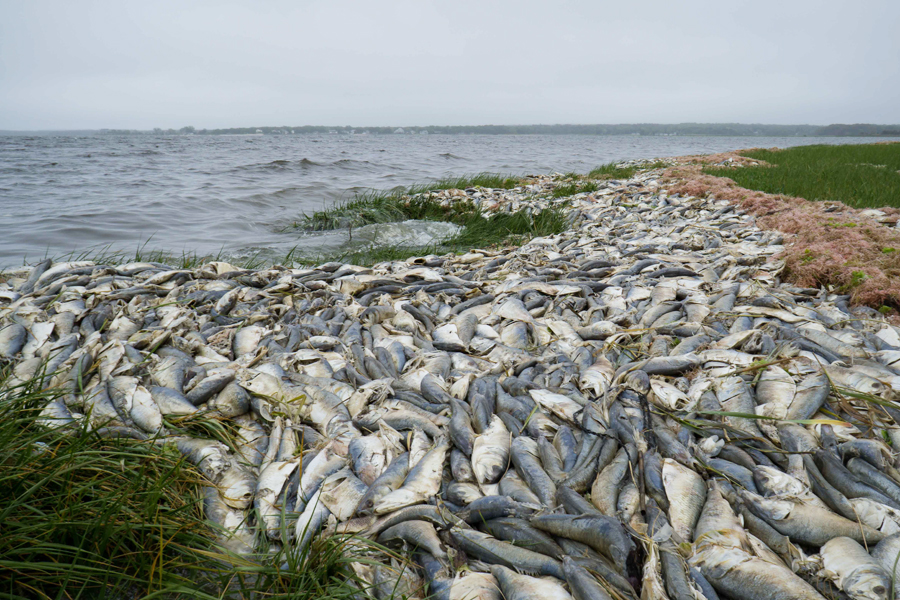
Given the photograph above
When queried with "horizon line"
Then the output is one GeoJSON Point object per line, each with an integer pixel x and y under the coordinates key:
{"type": "Point", "coordinates": [634, 124]}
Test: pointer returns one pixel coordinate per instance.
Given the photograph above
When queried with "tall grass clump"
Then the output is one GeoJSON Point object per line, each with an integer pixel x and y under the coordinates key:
{"type": "Point", "coordinates": [485, 180]}
{"type": "Point", "coordinates": [612, 171]}
{"type": "Point", "coordinates": [861, 175]}
{"type": "Point", "coordinates": [89, 517]}
{"type": "Point", "coordinates": [86, 516]}
{"type": "Point", "coordinates": [363, 209]}
{"type": "Point", "coordinates": [570, 189]}
{"type": "Point", "coordinates": [374, 206]}
{"type": "Point", "coordinates": [481, 231]}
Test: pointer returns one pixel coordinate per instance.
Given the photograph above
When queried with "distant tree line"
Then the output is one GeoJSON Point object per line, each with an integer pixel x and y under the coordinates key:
{"type": "Point", "coordinates": [723, 129]}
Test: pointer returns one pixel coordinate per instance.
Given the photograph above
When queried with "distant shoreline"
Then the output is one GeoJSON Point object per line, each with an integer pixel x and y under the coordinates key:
{"type": "Point", "coordinates": [638, 129]}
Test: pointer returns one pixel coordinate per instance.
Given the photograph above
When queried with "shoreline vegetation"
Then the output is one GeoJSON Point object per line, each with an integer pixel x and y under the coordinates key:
{"type": "Point", "coordinates": [676, 129]}
{"type": "Point", "coordinates": [861, 176]}
{"type": "Point", "coordinates": [853, 250]}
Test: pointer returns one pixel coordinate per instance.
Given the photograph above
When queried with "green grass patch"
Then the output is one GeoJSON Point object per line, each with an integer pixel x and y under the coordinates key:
{"type": "Point", "coordinates": [485, 180]}
{"type": "Point", "coordinates": [862, 176]}
{"type": "Point", "coordinates": [500, 228]}
{"type": "Point", "coordinates": [612, 171]}
{"type": "Point", "coordinates": [856, 279]}
{"type": "Point", "coordinates": [362, 209]}
{"type": "Point", "coordinates": [389, 206]}
{"type": "Point", "coordinates": [571, 189]}
{"type": "Point", "coordinates": [87, 517]}
{"type": "Point", "coordinates": [807, 257]}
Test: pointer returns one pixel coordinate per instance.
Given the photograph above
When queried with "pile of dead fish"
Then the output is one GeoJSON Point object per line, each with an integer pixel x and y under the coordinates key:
{"type": "Point", "coordinates": [635, 408]}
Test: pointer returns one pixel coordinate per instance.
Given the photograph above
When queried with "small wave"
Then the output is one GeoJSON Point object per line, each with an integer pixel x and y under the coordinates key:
{"type": "Point", "coordinates": [284, 193]}
{"type": "Point", "coordinates": [306, 164]}
{"type": "Point", "coordinates": [281, 164]}
{"type": "Point", "coordinates": [264, 198]}
{"type": "Point", "coordinates": [450, 156]}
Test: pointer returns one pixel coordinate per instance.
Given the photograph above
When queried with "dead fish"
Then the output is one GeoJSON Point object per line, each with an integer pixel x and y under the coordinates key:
{"type": "Point", "coordinates": [516, 586]}
{"type": "Point", "coordinates": [494, 551]}
{"type": "Point", "coordinates": [422, 482]}
{"type": "Point", "coordinates": [740, 575]}
{"type": "Point", "coordinates": [808, 524]}
{"type": "Point", "coordinates": [854, 571]}
{"type": "Point", "coordinates": [524, 454]}
{"type": "Point", "coordinates": [604, 534]}
{"type": "Point", "coordinates": [418, 534]}
{"type": "Point", "coordinates": [490, 452]}
{"type": "Point", "coordinates": [368, 456]}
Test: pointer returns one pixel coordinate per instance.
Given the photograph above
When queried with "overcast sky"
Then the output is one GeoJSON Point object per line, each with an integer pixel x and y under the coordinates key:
{"type": "Point", "coordinates": [141, 64]}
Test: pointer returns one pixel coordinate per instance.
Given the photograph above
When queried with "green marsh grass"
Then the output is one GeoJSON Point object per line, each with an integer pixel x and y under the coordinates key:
{"type": "Point", "coordinates": [387, 206]}
{"type": "Point", "coordinates": [570, 189]}
{"type": "Point", "coordinates": [612, 171]}
{"type": "Point", "coordinates": [87, 517]}
{"type": "Point", "coordinates": [862, 175]}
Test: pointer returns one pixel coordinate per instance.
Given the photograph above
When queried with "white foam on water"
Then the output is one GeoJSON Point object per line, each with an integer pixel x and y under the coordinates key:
{"type": "Point", "coordinates": [405, 233]}
{"type": "Point", "coordinates": [411, 233]}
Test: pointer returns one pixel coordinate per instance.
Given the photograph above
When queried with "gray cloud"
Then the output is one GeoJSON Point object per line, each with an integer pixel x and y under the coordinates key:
{"type": "Point", "coordinates": [219, 64]}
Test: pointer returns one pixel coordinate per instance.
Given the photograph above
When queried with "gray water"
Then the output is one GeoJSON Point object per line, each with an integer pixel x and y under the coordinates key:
{"type": "Point", "coordinates": [238, 195]}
